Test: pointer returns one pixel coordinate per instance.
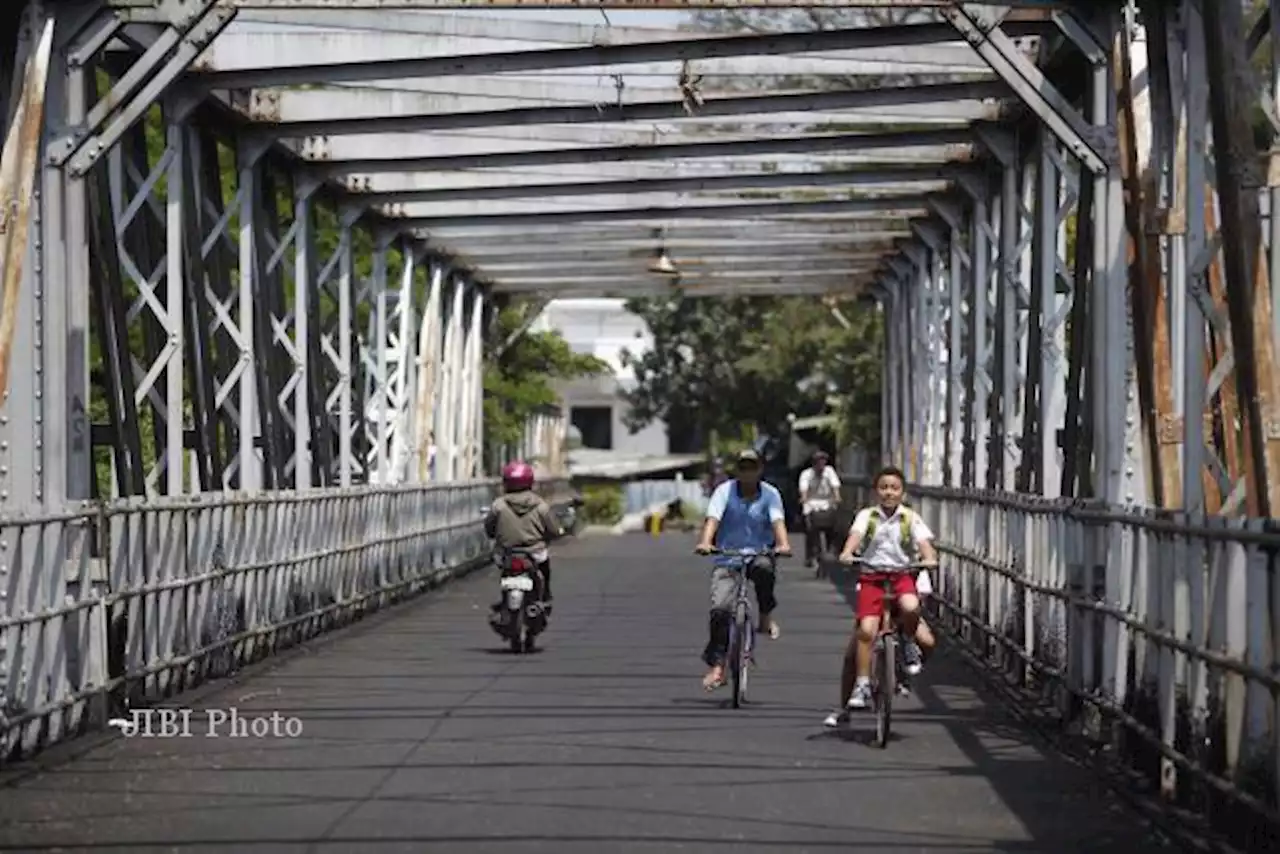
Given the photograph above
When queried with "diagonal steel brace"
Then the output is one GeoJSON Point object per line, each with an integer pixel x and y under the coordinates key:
{"type": "Point", "coordinates": [980, 27]}
{"type": "Point", "coordinates": [190, 31]}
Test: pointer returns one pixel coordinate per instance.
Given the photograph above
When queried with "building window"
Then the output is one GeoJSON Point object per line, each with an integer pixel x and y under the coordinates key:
{"type": "Point", "coordinates": [595, 424]}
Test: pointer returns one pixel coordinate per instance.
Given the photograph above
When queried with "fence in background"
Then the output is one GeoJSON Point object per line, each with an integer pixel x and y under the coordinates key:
{"type": "Point", "coordinates": [640, 495]}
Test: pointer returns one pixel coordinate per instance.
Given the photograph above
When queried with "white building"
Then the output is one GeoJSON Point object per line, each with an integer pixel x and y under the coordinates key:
{"type": "Point", "coordinates": [602, 328]}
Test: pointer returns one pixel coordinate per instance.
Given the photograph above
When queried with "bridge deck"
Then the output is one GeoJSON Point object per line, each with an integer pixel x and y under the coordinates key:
{"type": "Point", "coordinates": [420, 735]}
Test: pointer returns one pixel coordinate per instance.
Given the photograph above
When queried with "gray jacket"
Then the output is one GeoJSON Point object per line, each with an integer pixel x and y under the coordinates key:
{"type": "Point", "coordinates": [521, 520]}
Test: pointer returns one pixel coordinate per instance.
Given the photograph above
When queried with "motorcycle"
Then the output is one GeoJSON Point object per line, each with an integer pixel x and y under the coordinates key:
{"type": "Point", "coordinates": [522, 613]}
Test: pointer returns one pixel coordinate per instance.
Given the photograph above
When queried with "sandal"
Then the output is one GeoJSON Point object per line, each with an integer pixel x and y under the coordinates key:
{"type": "Point", "coordinates": [711, 682]}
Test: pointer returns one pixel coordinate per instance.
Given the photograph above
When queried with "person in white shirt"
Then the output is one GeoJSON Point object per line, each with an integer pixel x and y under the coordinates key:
{"type": "Point", "coordinates": [887, 535]}
{"type": "Point", "coordinates": [819, 498]}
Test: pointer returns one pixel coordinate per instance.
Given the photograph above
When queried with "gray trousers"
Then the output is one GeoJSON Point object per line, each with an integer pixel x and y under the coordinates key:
{"type": "Point", "coordinates": [724, 584]}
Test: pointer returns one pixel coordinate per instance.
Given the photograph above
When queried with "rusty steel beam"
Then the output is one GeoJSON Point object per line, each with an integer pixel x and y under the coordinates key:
{"type": "Point", "coordinates": [1244, 253]}
{"type": "Point", "coordinates": [18, 164]}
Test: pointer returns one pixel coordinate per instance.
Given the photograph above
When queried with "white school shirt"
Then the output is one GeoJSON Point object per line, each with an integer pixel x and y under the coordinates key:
{"type": "Point", "coordinates": [885, 548]}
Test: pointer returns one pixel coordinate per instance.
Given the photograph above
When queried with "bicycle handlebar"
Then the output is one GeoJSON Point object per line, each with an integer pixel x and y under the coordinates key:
{"type": "Point", "coordinates": [772, 553]}
{"type": "Point", "coordinates": [917, 567]}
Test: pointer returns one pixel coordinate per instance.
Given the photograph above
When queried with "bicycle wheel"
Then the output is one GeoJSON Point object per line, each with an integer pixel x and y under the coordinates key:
{"type": "Point", "coordinates": [746, 647]}
{"type": "Point", "coordinates": [737, 660]}
{"type": "Point", "coordinates": [886, 664]}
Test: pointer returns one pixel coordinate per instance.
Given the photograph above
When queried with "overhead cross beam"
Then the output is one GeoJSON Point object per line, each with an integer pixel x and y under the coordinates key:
{"type": "Point", "coordinates": [926, 172]}
{"type": "Point", "coordinates": [837, 143]}
{"type": "Point", "coordinates": [839, 271]}
{"type": "Point", "coordinates": [763, 241]}
{"type": "Point", "coordinates": [728, 253]}
{"type": "Point", "coordinates": [746, 164]}
{"type": "Point", "coordinates": [851, 206]}
{"type": "Point", "coordinates": [379, 18]}
{"type": "Point", "coordinates": [587, 204]}
{"type": "Point", "coordinates": [841, 278]}
{"type": "Point", "coordinates": [779, 261]}
{"type": "Point", "coordinates": [592, 57]}
{"type": "Point", "coordinates": [762, 229]}
{"type": "Point", "coordinates": [263, 105]}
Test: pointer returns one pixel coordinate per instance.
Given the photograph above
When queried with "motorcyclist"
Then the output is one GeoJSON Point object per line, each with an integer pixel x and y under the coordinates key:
{"type": "Point", "coordinates": [521, 519]}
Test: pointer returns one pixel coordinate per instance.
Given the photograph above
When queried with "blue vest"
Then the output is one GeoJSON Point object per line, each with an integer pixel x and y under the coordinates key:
{"type": "Point", "coordinates": [745, 524]}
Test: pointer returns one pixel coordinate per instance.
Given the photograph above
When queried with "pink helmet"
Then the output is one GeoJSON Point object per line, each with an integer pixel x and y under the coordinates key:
{"type": "Point", "coordinates": [517, 475]}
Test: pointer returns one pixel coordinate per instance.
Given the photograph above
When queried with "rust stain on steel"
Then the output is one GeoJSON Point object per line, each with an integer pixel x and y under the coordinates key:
{"type": "Point", "coordinates": [1229, 409]}
{"type": "Point", "coordinates": [1151, 320]}
{"type": "Point", "coordinates": [1143, 296]}
{"type": "Point", "coordinates": [1267, 392]}
{"type": "Point", "coordinates": [17, 185]}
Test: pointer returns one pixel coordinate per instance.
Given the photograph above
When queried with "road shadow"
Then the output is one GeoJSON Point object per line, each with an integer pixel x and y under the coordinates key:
{"type": "Point", "coordinates": [1054, 798]}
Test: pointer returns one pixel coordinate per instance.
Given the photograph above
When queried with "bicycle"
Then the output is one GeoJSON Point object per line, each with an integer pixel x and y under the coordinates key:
{"type": "Point", "coordinates": [742, 630]}
{"type": "Point", "coordinates": [819, 525]}
{"type": "Point", "coordinates": [885, 658]}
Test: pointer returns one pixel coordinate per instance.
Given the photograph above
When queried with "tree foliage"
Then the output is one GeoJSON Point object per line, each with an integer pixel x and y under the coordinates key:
{"type": "Point", "coordinates": [754, 360]}
{"type": "Point", "coordinates": [520, 381]}
{"type": "Point", "coordinates": [1264, 131]}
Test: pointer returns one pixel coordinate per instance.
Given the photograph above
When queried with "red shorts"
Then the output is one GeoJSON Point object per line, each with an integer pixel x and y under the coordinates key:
{"type": "Point", "coordinates": [871, 591]}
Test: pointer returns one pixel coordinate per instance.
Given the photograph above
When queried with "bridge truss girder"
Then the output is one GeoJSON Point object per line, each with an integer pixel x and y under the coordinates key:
{"type": "Point", "coordinates": [1149, 293]}
{"type": "Point", "coordinates": [1095, 298]}
{"type": "Point", "coordinates": [989, 172]}
{"type": "Point", "coordinates": [238, 352]}
{"type": "Point", "coordinates": [962, 174]}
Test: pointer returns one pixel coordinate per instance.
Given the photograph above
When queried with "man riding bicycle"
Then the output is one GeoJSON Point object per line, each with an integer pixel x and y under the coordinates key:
{"type": "Point", "coordinates": [743, 513]}
{"type": "Point", "coordinates": [819, 498]}
{"type": "Point", "coordinates": [886, 535]}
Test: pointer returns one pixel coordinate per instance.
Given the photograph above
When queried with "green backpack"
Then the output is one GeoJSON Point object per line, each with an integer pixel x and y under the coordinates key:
{"type": "Point", "coordinates": [904, 524]}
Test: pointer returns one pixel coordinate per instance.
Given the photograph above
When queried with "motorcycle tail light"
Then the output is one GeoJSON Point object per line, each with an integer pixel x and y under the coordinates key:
{"type": "Point", "coordinates": [517, 565]}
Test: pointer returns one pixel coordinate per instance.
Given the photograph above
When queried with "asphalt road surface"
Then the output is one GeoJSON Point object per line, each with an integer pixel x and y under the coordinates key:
{"type": "Point", "coordinates": [421, 733]}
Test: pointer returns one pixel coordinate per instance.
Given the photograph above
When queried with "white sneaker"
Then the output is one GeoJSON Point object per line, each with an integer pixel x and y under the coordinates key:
{"type": "Point", "coordinates": [861, 696]}
{"type": "Point", "coordinates": [913, 658]}
{"type": "Point", "coordinates": [838, 718]}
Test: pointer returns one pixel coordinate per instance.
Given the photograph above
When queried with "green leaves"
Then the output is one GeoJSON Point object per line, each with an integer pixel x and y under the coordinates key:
{"type": "Point", "coordinates": [755, 360]}
{"type": "Point", "coordinates": [520, 382]}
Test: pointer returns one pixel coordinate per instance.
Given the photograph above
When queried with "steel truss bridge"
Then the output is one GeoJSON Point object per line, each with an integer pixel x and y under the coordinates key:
{"type": "Point", "coordinates": [251, 251]}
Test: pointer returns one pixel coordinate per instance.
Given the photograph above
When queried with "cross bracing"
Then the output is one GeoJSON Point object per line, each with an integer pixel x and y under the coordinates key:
{"type": "Point", "coordinates": [255, 245]}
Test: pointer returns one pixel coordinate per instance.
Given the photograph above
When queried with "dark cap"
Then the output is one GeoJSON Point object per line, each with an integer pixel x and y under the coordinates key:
{"type": "Point", "coordinates": [747, 455]}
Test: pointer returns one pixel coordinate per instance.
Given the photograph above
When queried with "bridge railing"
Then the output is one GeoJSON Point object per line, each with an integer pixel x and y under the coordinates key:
{"type": "Point", "coordinates": [1152, 634]}
{"type": "Point", "coordinates": [124, 603]}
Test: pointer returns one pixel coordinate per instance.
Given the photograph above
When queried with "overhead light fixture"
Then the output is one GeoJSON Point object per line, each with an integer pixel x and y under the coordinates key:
{"type": "Point", "coordinates": [662, 264]}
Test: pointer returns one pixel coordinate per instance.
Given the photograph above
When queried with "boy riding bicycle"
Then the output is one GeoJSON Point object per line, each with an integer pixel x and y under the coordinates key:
{"type": "Point", "coordinates": [886, 535]}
